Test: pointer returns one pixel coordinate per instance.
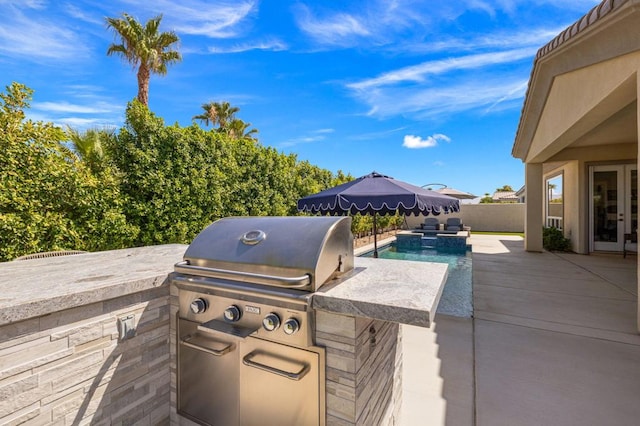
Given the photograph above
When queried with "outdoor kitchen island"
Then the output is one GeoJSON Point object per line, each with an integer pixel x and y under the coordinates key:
{"type": "Point", "coordinates": [293, 330]}
{"type": "Point", "coordinates": [91, 337]}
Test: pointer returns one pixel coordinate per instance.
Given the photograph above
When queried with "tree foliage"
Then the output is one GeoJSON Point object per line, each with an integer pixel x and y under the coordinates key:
{"type": "Point", "coordinates": [362, 225]}
{"type": "Point", "coordinates": [178, 179]}
{"type": "Point", "coordinates": [49, 199]}
{"type": "Point", "coordinates": [148, 183]}
{"type": "Point", "coordinates": [505, 188]}
{"type": "Point", "coordinates": [222, 116]}
{"type": "Point", "coordinates": [218, 114]}
{"type": "Point", "coordinates": [487, 199]}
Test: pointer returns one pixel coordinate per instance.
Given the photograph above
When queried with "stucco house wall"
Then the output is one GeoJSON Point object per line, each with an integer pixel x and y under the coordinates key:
{"type": "Point", "coordinates": [581, 110]}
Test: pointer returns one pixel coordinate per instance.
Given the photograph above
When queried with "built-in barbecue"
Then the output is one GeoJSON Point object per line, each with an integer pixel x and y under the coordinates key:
{"type": "Point", "coordinates": [246, 348]}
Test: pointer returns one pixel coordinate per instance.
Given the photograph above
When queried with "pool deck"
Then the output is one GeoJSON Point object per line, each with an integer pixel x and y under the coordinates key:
{"type": "Point", "coordinates": [553, 341]}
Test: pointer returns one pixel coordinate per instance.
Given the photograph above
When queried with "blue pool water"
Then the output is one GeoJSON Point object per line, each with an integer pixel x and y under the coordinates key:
{"type": "Point", "coordinates": [457, 295]}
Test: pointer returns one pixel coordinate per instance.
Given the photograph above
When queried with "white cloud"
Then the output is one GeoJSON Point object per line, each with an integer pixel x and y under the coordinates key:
{"type": "Point", "coordinates": [516, 92]}
{"type": "Point", "coordinates": [80, 14]}
{"type": "Point", "coordinates": [219, 20]}
{"type": "Point", "coordinates": [492, 80]}
{"type": "Point", "coordinates": [418, 73]}
{"type": "Point", "coordinates": [213, 19]}
{"type": "Point", "coordinates": [438, 100]}
{"type": "Point", "coordinates": [337, 29]}
{"type": "Point", "coordinates": [84, 90]}
{"type": "Point", "coordinates": [376, 135]}
{"type": "Point", "coordinates": [26, 4]}
{"type": "Point", "coordinates": [417, 142]}
{"type": "Point", "coordinates": [35, 37]}
{"type": "Point", "coordinates": [272, 45]}
{"type": "Point", "coordinates": [66, 107]}
{"type": "Point", "coordinates": [80, 123]}
{"type": "Point", "coordinates": [313, 136]}
{"type": "Point", "coordinates": [85, 107]}
{"type": "Point", "coordinates": [532, 38]}
{"type": "Point", "coordinates": [413, 26]}
{"type": "Point", "coordinates": [361, 23]}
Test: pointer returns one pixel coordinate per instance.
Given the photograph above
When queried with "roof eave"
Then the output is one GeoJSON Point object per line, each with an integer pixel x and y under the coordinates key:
{"type": "Point", "coordinates": [530, 115]}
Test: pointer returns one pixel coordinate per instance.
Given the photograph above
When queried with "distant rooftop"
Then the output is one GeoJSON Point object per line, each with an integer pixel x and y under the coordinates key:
{"type": "Point", "coordinates": [501, 196]}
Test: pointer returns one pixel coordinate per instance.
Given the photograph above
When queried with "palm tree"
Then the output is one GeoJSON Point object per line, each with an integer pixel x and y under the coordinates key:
{"type": "Point", "coordinates": [237, 129]}
{"type": "Point", "coordinates": [86, 144]}
{"type": "Point", "coordinates": [144, 48]}
{"type": "Point", "coordinates": [217, 113]}
{"type": "Point", "coordinates": [551, 187]}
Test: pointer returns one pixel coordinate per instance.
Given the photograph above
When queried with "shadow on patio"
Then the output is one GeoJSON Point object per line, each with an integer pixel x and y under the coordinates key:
{"type": "Point", "coordinates": [553, 342]}
{"type": "Point", "coordinates": [555, 338]}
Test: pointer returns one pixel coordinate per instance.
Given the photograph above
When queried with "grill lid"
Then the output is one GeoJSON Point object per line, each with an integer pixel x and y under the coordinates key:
{"type": "Point", "coordinates": [296, 251]}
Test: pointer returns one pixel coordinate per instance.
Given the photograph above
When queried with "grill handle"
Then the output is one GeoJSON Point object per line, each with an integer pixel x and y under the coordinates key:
{"type": "Point", "coordinates": [217, 352]}
{"type": "Point", "coordinates": [248, 360]}
{"type": "Point", "coordinates": [274, 280]}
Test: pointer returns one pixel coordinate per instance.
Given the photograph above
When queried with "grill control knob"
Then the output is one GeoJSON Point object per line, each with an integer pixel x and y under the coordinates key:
{"type": "Point", "coordinates": [232, 314]}
{"type": "Point", "coordinates": [198, 306]}
{"type": "Point", "coordinates": [271, 322]}
{"type": "Point", "coordinates": [291, 326]}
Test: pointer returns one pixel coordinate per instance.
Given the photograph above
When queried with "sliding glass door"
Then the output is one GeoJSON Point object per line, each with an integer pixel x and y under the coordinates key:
{"type": "Point", "coordinates": [613, 205]}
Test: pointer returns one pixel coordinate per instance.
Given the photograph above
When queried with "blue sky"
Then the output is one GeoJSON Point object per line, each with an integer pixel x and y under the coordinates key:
{"type": "Point", "coordinates": [424, 91]}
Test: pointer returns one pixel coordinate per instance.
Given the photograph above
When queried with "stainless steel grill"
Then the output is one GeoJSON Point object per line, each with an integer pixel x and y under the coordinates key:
{"type": "Point", "coordinates": [246, 349]}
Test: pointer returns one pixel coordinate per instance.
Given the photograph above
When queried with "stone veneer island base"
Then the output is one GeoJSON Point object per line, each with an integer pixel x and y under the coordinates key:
{"type": "Point", "coordinates": [364, 369]}
{"type": "Point", "coordinates": [62, 361]}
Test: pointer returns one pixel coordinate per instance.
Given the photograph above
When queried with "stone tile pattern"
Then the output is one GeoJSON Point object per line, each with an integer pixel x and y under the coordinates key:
{"type": "Point", "coordinates": [447, 243]}
{"type": "Point", "coordinates": [451, 243]}
{"type": "Point", "coordinates": [70, 367]}
{"type": "Point", "coordinates": [173, 362]}
{"type": "Point", "coordinates": [364, 366]}
{"type": "Point", "coordinates": [411, 241]}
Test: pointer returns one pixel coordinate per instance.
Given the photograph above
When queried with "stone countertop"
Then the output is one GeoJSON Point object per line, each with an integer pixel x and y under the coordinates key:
{"type": "Point", "coordinates": [392, 290]}
{"type": "Point", "coordinates": [405, 292]}
{"type": "Point", "coordinates": [31, 288]}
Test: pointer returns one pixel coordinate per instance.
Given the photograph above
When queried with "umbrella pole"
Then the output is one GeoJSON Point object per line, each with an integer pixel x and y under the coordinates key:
{"type": "Point", "coordinates": [375, 236]}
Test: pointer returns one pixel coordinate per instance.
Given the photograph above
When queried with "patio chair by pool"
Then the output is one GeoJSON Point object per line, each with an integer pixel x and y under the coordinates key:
{"type": "Point", "coordinates": [454, 224]}
{"type": "Point", "coordinates": [430, 224]}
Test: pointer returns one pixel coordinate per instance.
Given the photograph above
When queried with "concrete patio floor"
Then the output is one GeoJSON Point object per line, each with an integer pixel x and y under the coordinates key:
{"type": "Point", "coordinates": [553, 341]}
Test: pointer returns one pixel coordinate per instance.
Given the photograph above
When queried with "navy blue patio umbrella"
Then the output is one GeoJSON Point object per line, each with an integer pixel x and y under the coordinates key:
{"type": "Point", "coordinates": [377, 194]}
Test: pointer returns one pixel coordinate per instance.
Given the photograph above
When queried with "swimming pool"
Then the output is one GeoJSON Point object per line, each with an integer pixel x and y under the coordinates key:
{"type": "Point", "coordinates": [457, 295]}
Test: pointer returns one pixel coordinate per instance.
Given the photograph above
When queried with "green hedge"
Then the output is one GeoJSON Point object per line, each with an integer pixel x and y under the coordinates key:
{"type": "Point", "coordinates": [152, 183]}
{"type": "Point", "coordinates": [49, 199]}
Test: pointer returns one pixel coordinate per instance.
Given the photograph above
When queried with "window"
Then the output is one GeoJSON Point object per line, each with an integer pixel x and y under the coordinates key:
{"type": "Point", "coordinates": [554, 202]}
